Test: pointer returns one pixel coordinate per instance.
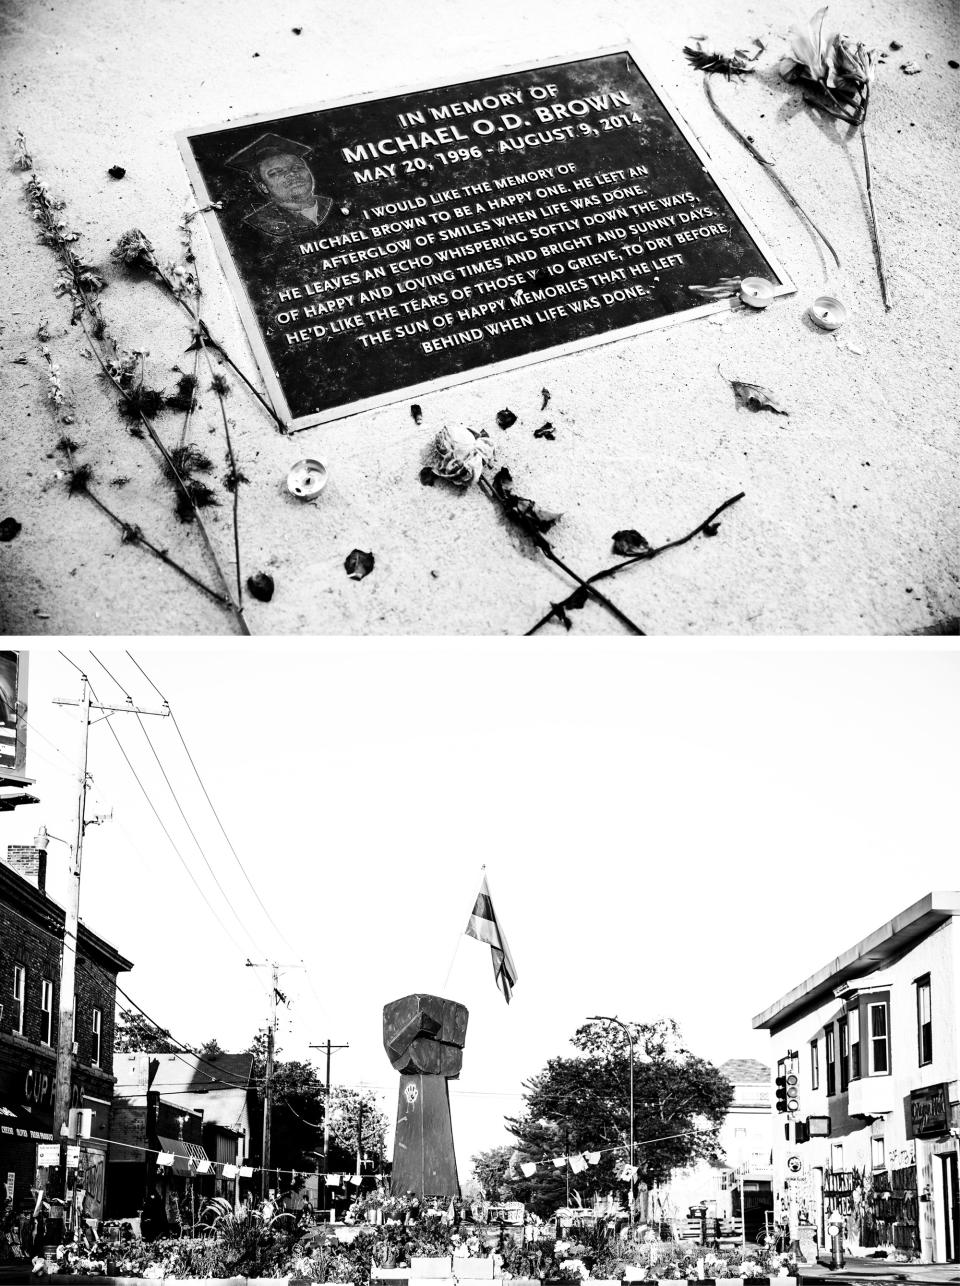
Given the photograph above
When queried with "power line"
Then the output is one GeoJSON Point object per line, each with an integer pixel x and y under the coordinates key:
{"type": "Point", "coordinates": [166, 832]}
{"type": "Point", "coordinates": [193, 836]}
{"type": "Point", "coordinates": [206, 793]}
{"type": "Point", "coordinates": [110, 676]}
{"type": "Point", "coordinates": [73, 663]}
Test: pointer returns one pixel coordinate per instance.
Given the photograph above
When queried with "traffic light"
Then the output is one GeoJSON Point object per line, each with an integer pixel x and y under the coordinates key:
{"type": "Point", "coordinates": [781, 1087]}
{"type": "Point", "coordinates": [787, 1086]}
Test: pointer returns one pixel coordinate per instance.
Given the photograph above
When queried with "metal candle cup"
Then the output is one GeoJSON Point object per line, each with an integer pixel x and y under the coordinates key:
{"type": "Point", "coordinates": [306, 479]}
{"type": "Point", "coordinates": [827, 312]}
{"type": "Point", "coordinates": [756, 292]}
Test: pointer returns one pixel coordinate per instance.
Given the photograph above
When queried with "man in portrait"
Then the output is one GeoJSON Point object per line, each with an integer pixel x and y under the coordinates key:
{"type": "Point", "coordinates": [277, 167]}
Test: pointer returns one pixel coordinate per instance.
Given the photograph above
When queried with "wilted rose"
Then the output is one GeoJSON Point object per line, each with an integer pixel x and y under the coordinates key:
{"type": "Point", "coordinates": [460, 456]}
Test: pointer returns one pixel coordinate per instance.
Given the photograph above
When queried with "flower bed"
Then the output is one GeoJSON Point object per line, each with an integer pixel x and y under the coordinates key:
{"type": "Point", "coordinates": [413, 1245]}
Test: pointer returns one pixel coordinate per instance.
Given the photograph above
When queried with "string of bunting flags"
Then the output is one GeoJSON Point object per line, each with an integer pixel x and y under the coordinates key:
{"type": "Point", "coordinates": [580, 1161]}
{"type": "Point", "coordinates": [230, 1170]}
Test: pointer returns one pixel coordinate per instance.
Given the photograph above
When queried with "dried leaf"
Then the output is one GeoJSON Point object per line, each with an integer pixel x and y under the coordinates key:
{"type": "Point", "coordinates": [710, 528]}
{"type": "Point", "coordinates": [559, 612]}
{"type": "Point", "coordinates": [505, 418]}
{"type": "Point", "coordinates": [911, 68]}
{"type": "Point", "coordinates": [629, 542]}
{"type": "Point", "coordinates": [525, 513]}
{"type": "Point", "coordinates": [545, 394]}
{"type": "Point", "coordinates": [726, 64]}
{"type": "Point", "coordinates": [417, 412]}
{"type": "Point", "coordinates": [756, 398]}
{"type": "Point", "coordinates": [116, 171]}
{"type": "Point", "coordinates": [10, 529]}
{"type": "Point", "coordinates": [546, 431]}
{"type": "Point", "coordinates": [427, 476]}
{"type": "Point", "coordinates": [130, 534]}
{"type": "Point", "coordinates": [358, 564]}
{"type": "Point", "coordinates": [261, 586]}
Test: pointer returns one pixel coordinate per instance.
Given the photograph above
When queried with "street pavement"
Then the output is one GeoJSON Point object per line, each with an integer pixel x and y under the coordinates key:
{"type": "Point", "coordinates": [877, 1270]}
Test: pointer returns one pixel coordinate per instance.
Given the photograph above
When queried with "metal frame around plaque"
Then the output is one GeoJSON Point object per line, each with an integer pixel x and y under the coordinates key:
{"type": "Point", "coordinates": [252, 326]}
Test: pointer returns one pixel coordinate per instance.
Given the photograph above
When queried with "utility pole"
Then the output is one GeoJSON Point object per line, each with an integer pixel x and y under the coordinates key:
{"type": "Point", "coordinates": [68, 959]}
{"type": "Point", "coordinates": [268, 1078]}
{"type": "Point", "coordinates": [329, 1047]}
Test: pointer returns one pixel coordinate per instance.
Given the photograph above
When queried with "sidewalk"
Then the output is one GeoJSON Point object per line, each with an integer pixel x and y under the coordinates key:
{"type": "Point", "coordinates": [857, 1270]}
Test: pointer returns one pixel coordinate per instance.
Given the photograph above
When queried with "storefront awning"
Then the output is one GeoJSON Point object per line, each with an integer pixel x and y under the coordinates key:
{"type": "Point", "coordinates": [20, 1123]}
{"type": "Point", "coordinates": [183, 1154]}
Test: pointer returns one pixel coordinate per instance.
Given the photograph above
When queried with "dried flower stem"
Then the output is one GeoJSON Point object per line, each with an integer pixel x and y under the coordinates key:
{"type": "Point", "coordinates": [873, 216]}
{"type": "Point", "coordinates": [201, 326]}
{"type": "Point", "coordinates": [767, 165]}
{"type": "Point", "coordinates": [233, 467]}
{"type": "Point", "coordinates": [643, 557]}
{"type": "Point", "coordinates": [547, 550]}
{"type": "Point", "coordinates": [134, 535]}
{"type": "Point", "coordinates": [235, 608]}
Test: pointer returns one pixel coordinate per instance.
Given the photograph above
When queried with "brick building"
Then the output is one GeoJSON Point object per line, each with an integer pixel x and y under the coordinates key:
{"type": "Point", "coordinates": [31, 935]}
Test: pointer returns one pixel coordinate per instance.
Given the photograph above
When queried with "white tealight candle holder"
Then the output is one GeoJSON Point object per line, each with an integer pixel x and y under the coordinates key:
{"type": "Point", "coordinates": [756, 292]}
{"type": "Point", "coordinates": [827, 312]}
{"type": "Point", "coordinates": [306, 479]}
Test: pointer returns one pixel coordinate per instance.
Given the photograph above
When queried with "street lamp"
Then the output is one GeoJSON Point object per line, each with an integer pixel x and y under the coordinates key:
{"type": "Point", "coordinates": [603, 1018]}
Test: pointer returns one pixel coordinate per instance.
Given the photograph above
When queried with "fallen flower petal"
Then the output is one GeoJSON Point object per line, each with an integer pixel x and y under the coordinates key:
{"type": "Point", "coordinates": [629, 542]}
{"type": "Point", "coordinates": [756, 398]}
{"type": "Point", "coordinates": [261, 586]}
{"type": "Point", "coordinates": [505, 418]}
{"type": "Point", "coordinates": [10, 529]}
{"type": "Point", "coordinates": [358, 564]}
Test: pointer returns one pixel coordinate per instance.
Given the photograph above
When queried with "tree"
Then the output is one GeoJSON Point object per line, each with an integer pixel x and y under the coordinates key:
{"type": "Point", "coordinates": [354, 1114]}
{"type": "Point", "coordinates": [490, 1169]}
{"type": "Point", "coordinates": [582, 1104]}
{"type": "Point", "coordinates": [133, 1033]}
{"type": "Point", "coordinates": [211, 1048]}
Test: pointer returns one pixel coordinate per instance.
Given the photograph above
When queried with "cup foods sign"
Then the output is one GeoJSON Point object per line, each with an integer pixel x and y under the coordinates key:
{"type": "Point", "coordinates": [930, 1111]}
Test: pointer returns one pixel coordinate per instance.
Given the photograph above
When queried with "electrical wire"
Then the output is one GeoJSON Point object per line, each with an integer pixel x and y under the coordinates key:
{"type": "Point", "coordinates": [199, 847]}
{"type": "Point", "coordinates": [206, 793]}
{"type": "Point", "coordinates": [166, 832]}
{"type": "Point", "coordinates": [110, 676]}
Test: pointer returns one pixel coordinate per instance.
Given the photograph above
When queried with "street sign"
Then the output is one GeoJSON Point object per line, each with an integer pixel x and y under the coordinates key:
{"type": "Point", "coordinates": [794, 1165]}
{"type": "Point", "coordinates": [73, 1158]}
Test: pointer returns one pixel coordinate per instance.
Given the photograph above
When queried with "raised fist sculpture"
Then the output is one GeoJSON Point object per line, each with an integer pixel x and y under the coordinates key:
{"type": "Point", "coordinates": [424, 1038]}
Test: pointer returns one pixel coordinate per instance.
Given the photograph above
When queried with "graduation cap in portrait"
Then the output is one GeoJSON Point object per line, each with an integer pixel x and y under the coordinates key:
{"type": "Point", "coordinates": [248, 158]}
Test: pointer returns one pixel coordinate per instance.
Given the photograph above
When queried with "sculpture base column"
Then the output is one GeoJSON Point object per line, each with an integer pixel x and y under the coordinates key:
{"type": "Point", "coordinates": [424, 1160]}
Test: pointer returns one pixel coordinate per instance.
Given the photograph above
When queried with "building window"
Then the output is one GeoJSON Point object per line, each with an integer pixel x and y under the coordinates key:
{"type": "Point", "coordinates": [19, 997]}
{"type": "Point", "coordinates": [878, 1154]}
{"type": "Point", "coordinates": [924, 1021]}
{"type": "Point", "coordinates": [836, 1157]}
{"type": "Point", "coordinates": [830, 1050]}
{"type": "Point", "coordinates": [814, 1065]}
{"type": "Point", "coordinates": [879, 1039]}
{"type": "Point", "coordinates": [853, 1019]}
{"type": "Point", "coordinates": [96, 1027]}
{"type": "Point", "coordinates": [844, 1055]}
{"type": "Point", "coordinates": [46, 1011]}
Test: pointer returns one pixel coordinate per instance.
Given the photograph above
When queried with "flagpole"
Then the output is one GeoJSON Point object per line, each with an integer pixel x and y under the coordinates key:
{"type": "Point", "coordinates": [453, 961]}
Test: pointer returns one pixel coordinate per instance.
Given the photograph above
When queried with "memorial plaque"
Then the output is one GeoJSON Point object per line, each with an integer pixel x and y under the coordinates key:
{"type": "Point", "coordinates": [383, 247]}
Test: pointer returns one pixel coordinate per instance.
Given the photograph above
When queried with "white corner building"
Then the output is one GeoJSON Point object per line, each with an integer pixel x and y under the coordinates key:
{"type": "Point", "coordinates": [873, 1040]}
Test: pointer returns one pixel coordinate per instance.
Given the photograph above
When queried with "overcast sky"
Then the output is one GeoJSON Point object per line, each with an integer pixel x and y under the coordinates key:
{"type": "Point", "coordinates": [668, 831]}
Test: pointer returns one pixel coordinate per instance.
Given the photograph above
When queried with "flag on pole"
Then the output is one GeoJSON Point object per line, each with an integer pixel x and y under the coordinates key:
{"type": "Point", "coordinates": [484, 926]}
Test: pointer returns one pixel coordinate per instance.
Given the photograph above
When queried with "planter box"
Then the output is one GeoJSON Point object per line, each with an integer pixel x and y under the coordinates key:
{"type": "Point", "coordinates": [468, 1268]}
{"type": "Point", "coordinates": [430, 1266]}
